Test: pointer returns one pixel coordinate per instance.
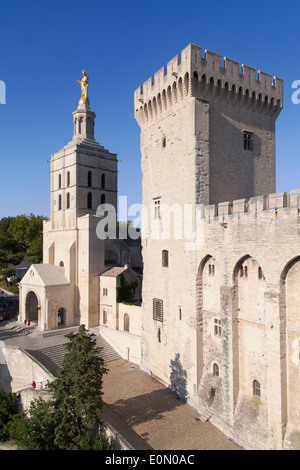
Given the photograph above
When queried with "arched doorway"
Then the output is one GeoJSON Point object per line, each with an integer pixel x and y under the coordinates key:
{"type": "Point", "coordinates": [32, 307]}
{"type": "Point", "coordinates": [61, 316]}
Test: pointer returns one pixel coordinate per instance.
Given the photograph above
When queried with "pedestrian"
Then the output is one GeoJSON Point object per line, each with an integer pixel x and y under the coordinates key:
{"type": "Point", "coordinates": [33, 384]}
{"type": "Point", "coordinates": [28, 323]}
{"type": "Point", "coordinates": [25, 321]}
{"type": "Point", "coordinates": [41, 385]}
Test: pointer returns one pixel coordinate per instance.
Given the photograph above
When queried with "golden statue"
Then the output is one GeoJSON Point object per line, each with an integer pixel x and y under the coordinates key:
{"type": "Point", "coordinates": [84, 88]}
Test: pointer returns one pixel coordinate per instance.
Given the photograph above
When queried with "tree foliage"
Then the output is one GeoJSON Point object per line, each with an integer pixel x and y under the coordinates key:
{"type": "Point", "coordinates": [35, 429]}
{"type": "Point", "coordinates": [125, 291]}
{"type": "Point", "coordinates": [21, 238]}
{"type": "Point", "coordinates": [78, 389]}
{"type": "Point", "coordinates": [9, 406]}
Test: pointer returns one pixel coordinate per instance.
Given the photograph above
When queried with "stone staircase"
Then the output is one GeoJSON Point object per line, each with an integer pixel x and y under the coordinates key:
{"type": "Point", "coordinates": [51, 357]}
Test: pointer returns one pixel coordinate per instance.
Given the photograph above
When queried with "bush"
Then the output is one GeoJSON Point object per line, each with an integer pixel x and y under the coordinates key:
{"type": "Point", "coordinates": [35, 430]}
{"type": "Point", "coordinates": [9, 407]}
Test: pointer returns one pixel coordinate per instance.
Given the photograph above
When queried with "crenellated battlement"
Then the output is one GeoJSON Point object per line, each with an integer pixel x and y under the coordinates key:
{"type": "Point", "coordinates": [190, 74]}
{"type": "Point", "coordinates": [255, 206]}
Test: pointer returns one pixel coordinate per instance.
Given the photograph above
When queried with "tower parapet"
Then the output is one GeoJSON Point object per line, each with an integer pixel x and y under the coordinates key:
{"type": "Point", "coordinates": [255, 206]}
{"type": "Point", "coordinates": [190, 74]}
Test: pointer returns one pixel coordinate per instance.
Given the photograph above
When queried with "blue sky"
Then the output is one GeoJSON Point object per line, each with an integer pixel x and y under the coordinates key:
{"type": "Point", "coordinates": [121, 43]}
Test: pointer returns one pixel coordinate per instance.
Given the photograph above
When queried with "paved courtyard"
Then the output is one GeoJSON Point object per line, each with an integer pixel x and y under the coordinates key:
{"type": "Point", "coordinates": [155, 413]}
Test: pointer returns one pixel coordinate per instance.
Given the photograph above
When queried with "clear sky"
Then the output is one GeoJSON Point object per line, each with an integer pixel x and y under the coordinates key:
{"type": "Point", "coordinates": [44, 45]}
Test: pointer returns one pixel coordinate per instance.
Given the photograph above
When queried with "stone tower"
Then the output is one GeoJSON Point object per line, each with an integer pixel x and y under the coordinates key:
{"type": "Point", "coordinates": [83, 176]}
{"type": "Point", "coordinates": [207, 136]}
{"type": "Point", "coordinates": [213, 121]}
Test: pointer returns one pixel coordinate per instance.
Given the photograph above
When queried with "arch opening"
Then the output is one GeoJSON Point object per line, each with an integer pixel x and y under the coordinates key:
{"type": "Point", "coordinates": [32, 307]}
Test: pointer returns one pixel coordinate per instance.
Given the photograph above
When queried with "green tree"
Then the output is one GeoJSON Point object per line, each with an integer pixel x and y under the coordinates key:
{"type": "Point", "coordinates": [35, 429]}
{"type": "Point", "coordinates": [21, 238]}
{"type": "Point", "coordinates": [77, 392]}
{"type": "Point", "coordinates": [9, 406]}
{"type": "Point", "coordinates": [125, 291]}
{"type": "Point", "coordinates": [9, 250]}
{"type": "Point", "coordinates": [35, 250]}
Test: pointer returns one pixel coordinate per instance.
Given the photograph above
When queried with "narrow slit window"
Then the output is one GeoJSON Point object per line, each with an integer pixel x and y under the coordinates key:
{"type": "Point", "coordinates": [165, 258]}
{"type": "Point", "coordinates": [89, 201]}
{"type": "Point", "coordinates": [216, 370]}
{"type": "Point", "coordinates": [217, 327]}
{"type": "Point", "coordinates": [157, 209]}
{"type": "Point", "coordinates": [256, 388]}
{"type": "Point", "coordinates": [248, 140]}
{"type": "Point", "coordinates": [89, 179]}
{"type": "Point", "coordinates": [103, 181]}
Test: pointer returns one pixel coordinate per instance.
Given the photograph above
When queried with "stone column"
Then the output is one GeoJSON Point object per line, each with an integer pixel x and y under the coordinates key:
{"type": "Point", "coordinates": [230, 351]}
{"type": "Point", "coordinates": [276, 371]}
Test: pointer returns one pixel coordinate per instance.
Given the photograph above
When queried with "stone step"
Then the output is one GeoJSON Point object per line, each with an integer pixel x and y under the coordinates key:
{"type": "Point", "coordinates": [52, 357]}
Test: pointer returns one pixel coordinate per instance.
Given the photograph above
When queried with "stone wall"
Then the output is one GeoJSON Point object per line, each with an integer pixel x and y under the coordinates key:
{"type": "Point", "coordinates": [19, 369]}
{"type": "Point", "coordinates": [126, 343]}
{"type": "Point", "coordinates": [219, 321]}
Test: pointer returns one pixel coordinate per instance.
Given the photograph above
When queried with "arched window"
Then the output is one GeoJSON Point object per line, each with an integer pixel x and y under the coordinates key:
{"type": "Point", "coordinates": [68, 200]}
{"type": "Point", "coordinates": [216, 370]}
{"type": "Point", "coordinates": [180, 87]}
{"type": "Point", "coordinates": [102, 199]}
{"type": "Point", "coordinates": [89, 201]}
{"type": "Point", "coordinates": [164, 98]}
{"type": "Point", "coordinates": [59, 202]}
{"type": "Point", "coordinates": [165, 258]}
{"type": "Point", "coordinates": [103, 181]}
{"type": "Point", "coordinates": [169, 94]}
{"type": "Point", "coordinates": [61, 263]}
{"type": "Point", "coordinates": [68, 178]}
{"type": "Point", "coordinates": [126, 322]}
{"type": "Point", "coordinates": [61, 314]}
{"type": "Point", "coordinates": [186, 83]}
{"type": "Point", "coordinates": [256, 388]}
{"type": "Point", "coordinates": [260, 273]}
{"type": "Point", "coordinates": [89, 178]}
{"type": "Point", "coordinates": [80, 124]}
{"type": "Point", "coordinates": [59, 181]}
